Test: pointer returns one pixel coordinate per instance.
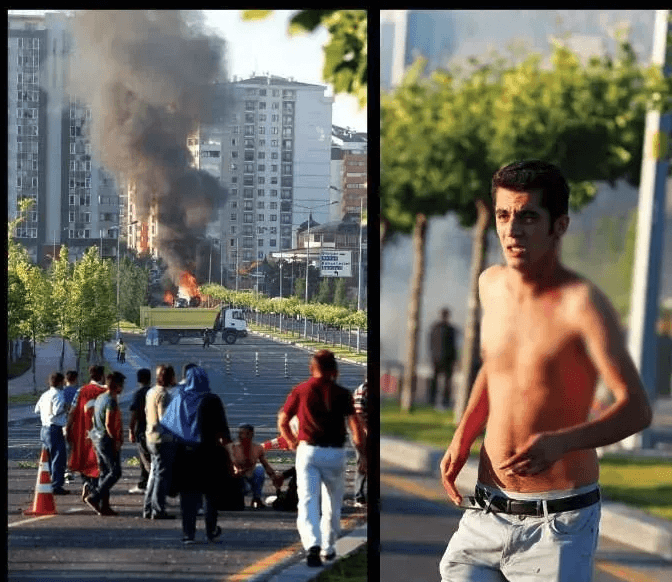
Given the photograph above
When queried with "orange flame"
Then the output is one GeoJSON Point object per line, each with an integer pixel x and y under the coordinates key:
{"type": "Point", "coordinates": [188, 285]}
{"type": "Point", "coordinates": [168, 298]}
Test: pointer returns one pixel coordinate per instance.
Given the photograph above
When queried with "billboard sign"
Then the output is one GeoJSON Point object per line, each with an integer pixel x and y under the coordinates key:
{"type": "Point", "coordinates": [335, 263]}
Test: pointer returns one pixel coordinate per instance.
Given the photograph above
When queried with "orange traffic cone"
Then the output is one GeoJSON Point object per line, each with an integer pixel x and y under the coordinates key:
{"type": "Point", "coordinates": [44, 493]}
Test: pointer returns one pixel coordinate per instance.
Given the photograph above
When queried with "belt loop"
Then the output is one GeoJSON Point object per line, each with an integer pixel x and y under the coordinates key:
{"type": "Point", "coordinates": [544, 505]}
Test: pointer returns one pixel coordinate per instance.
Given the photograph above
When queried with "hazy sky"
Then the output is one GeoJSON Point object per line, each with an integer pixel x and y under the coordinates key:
{"type": "Point", "coordinates": [262, 46]}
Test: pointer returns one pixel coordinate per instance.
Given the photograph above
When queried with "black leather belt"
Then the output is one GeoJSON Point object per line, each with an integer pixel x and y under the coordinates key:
{"type": "Point", "coordinates": [535, 508]}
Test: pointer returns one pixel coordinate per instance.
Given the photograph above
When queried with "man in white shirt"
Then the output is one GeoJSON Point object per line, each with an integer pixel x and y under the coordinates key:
{"type": "Point", "coordinates": [53, 413]}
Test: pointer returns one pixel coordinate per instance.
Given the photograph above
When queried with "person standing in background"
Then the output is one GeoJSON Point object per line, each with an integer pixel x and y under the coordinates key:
{"type": "Point", "coordinates": [442, 349]}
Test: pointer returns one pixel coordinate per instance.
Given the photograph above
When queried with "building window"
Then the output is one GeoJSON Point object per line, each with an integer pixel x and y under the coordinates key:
{"type": "Point", "coordinates": [273, 206]}
{"type": "Point", "coordinates": [262, 92]}
{"type": "Point", "coordinates": [275, 105]}
{"type": "Point", "coordinates": [261, 168]}
{"type": "Point", "coordinates": [262, 117]}
{"type": "Point", "coordinates": [249, 118]}
{"type": "Point", "coordinates": [274, 130]}
{"type": "Point", "coordinates": [260, 218]}
{"type": "Point", "coordinates": [262, 130]}
{"type": "Point", "coordinates": [273, 218]}
{"type": "Point", "coordinates": [248, 218]}
{"type": "Point", "coordinates": [248, 205]}
{"type": "Point", "coordinates": [248, 156]}
{"type": "Point", "coordinates": [262, 105]}
{"type": "Point", "coordinates": [286, 218]}
{"type": "Point", "coordinates": [261, 155]}
{"type": "Point", "coordinates": [233, 204]}
{"type": "Point", "coordinates": [248, 193]}
{"type": "Point", "coordinates": [272, 242]}
{"type": "Point", "coordinates": [249, 143]}
{"type": "Point", "coordinates": [260, 205]}
{"type": "Point", "coordinates": [234, 191]}
{"type": "Point", "coordinates": [260, 192]}
{"type": "Point", "coordinates": [233, 217]}
{"type": "Point", "coordinates": [274, 193]}
{"type": "Point", "coordinates": [286, 168]}
{"type": "Point", "coordinates": [249, 105]}
{"type": "Point", "coordinates": [249, 130]}
{"type": "Point", "coordinates": [248, 168]}
{"type": "Point", "coordinates": [261, 180]}
{"type": "Point", "coordinates": [248, 180]}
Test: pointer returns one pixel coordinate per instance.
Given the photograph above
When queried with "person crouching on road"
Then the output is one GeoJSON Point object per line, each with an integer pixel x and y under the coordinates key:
{"type": "Point", "coordinates": [246, 456]}
{"type": "Point", "coordinates": [107, 436]}
{"type": "Point", "coordinates": [52, 410]}
{"type": "Point", "coordinates": [322, 407]}
{"type": "Point", "coordinates": [161, 445]}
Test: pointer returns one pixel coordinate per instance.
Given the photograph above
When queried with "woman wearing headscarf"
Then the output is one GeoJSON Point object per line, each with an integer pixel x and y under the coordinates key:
{"type": "Point", "coordinates": [197, 419]}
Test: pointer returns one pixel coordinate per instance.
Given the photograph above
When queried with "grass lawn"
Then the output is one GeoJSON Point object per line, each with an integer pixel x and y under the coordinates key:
{"type": "Point", "coordinates": [351, 569]}
{"type": "Point", "coordinates": [642, 482]}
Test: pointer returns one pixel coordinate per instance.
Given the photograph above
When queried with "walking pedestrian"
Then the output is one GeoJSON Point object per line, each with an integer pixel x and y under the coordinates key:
{"type": "Point", "coordinates": [547, 335]}
{"type": "Point", "coordinates": [442, 348]}
{"type": "Point", "coordinates": [137, 427]}
{"type": "Point", "coordinates": [52, 410]}
{"type": "Point", "coordinates": [107, 435]}
{"type": "Point", "coordinates": [161, 445]}
{"type": "Point", "coordinates": [69, 393]}
{"type": "Point", "coordinates": [82, 455]}
{"type": "Point", "coordinates": [249, 462]}
{"type": "Point", "coordinates": [361, 400]}
{"type": "Point", "coordinates": [323, 408]}
{"type": "Point", "coordinates": [206, 338]}
{"type": "Point", "coordinates": [197, 419]}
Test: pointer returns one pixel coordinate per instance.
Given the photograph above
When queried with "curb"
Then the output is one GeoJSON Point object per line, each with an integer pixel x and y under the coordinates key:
{"type": "Point", "coordinates": [619, 522]}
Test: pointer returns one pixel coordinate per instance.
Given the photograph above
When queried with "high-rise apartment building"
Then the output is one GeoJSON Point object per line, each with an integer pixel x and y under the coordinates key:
{"type": "Point", "coordinates": [49, 155]}
{"type": "Point", "coordinates": [349, 170]}
{"type": "Point", "coordinates": [275, 156]}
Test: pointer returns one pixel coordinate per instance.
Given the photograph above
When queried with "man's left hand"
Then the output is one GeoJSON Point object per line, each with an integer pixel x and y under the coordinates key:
{"type": "Point", "coordinates": [537, 455]}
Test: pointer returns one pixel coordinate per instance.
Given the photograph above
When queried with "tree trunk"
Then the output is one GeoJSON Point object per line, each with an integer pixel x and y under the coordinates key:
{"type": "Point", "coordinates": [34, 357]}
{"type": "Point", "coordinates": [62, 359]}
{"type": "Point", "coordinates": [471, 345]}
{"type": "Point", "coordinates": [417, 280]}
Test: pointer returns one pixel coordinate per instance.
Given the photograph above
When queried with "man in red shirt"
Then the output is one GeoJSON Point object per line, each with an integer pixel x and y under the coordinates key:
{"type": "Point", "coordinates": [322, 408]}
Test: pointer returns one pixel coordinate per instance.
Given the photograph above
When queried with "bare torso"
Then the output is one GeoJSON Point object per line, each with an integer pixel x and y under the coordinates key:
{"type": "Point", "coordinates": [246, 461]}
{"type": "Point", "coordinates": [539, 378]}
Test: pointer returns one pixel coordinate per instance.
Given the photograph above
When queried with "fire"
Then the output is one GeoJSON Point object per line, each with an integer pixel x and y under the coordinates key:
{"type": "Point", "coordinates": [188, 286]}
{"type": "Point", "coordinates": [168, 298]}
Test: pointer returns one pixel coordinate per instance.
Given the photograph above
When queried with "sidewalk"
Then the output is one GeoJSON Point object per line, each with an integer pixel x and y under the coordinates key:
{"type": "Point", "coordinates": [47, 361]}
{"type": "Point", "coordinates": [620, 522]}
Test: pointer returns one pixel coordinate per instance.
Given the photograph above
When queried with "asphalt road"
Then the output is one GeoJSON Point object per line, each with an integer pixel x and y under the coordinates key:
{"type": "Point", "coordinates": [77, 545]}
{"type": "Point", "coordinates": [416, 522]}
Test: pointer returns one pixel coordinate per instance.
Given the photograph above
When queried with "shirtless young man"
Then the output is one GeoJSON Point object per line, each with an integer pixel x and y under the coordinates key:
{"type": "Point", "coordinates": [246, 454]}
{"type": "Point", "coordinates": [547, 334]}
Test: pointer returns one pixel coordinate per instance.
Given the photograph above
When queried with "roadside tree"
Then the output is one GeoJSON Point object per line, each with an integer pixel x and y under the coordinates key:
{"type": "Point", "coordinates": [444, 136]}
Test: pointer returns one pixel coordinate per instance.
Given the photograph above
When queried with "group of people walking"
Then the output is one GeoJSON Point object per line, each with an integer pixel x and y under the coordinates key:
{"type": "Point", "coordinates": [185, 447]}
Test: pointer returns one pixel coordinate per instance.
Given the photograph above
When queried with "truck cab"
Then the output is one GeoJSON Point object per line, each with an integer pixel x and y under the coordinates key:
{"type": "Point", "coordinates": [231, 323]}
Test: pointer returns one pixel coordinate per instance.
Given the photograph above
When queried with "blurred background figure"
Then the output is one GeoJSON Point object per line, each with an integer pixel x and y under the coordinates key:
{"type": "Point", "coordinates": [442, 348]}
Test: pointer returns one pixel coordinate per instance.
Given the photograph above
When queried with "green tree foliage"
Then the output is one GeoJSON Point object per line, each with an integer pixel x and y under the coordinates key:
{"type": "Point", "coordinates": [443, 136]}
{"type": "Point", "coordinates": [345, 54]}
{"type": "Point", "coordinates": [94, 301]}
{"type": "Point", "coordinates": [133, 287]}
{"type": "Point", "coordinates": [340, 298]}
{"type": "Point", "coordinates": [60, 277]}
{"type": "Point", "coordinates": [325, 291]}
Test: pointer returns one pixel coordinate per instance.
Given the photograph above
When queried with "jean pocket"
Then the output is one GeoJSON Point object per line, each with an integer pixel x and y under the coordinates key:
{"type": "Point", "coordinates": [577, 522]}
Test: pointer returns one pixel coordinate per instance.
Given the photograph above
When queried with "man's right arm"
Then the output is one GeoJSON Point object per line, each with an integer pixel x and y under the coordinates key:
{"type": "Point", "coordinates": [471, 425]}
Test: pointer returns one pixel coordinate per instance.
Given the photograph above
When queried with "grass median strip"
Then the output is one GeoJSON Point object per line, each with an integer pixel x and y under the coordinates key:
{"type": "Point", "coordinates": [644, 483]}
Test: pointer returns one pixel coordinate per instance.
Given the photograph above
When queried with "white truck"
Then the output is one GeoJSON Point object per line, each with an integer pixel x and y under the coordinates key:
{"type": "Point", "coordinates": [171, 324]}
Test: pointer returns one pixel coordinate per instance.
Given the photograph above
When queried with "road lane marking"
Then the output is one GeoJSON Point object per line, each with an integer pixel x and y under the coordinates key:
{"type": "Point", "coordinates": [409, 486]}
{"type": "Point", "coordinates": [32, 519]}
{"type": "Point", "coordinates": [624, 573]}
{"type": "Point", "coordinates": [279, 556]}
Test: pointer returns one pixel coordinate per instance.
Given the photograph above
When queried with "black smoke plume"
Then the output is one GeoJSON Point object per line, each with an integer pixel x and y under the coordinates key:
{"type": "Point", "coordinates": [149, 79]}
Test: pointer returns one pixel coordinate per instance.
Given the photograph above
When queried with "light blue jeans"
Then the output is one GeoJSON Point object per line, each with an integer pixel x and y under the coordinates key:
{"type": "Point", "coordinates": [255, 483]}
{"type": "Point", "coordinates": [160, 477]}
{"type": "Point", "coordinates": [499, 547]}
{"type": "Point", "coordinates": [320, 480]}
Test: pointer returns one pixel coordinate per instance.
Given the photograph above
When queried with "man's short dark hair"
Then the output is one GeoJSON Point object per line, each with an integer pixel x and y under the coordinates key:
{"type": "Point", "coordinates": [55, 378]}
{"type": "Point", "coordinates": [248, 427]}
{"type": "Point", "coordinates": [535, 175]}
{"type": "Point", "coordinates": [144, 376]}
{"type": "Point", "coordinates": [116, 377]}
{"type": "Point", "coordinates": [97, 372]}
{"type": "Point", "coordinates": [71, 375]}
